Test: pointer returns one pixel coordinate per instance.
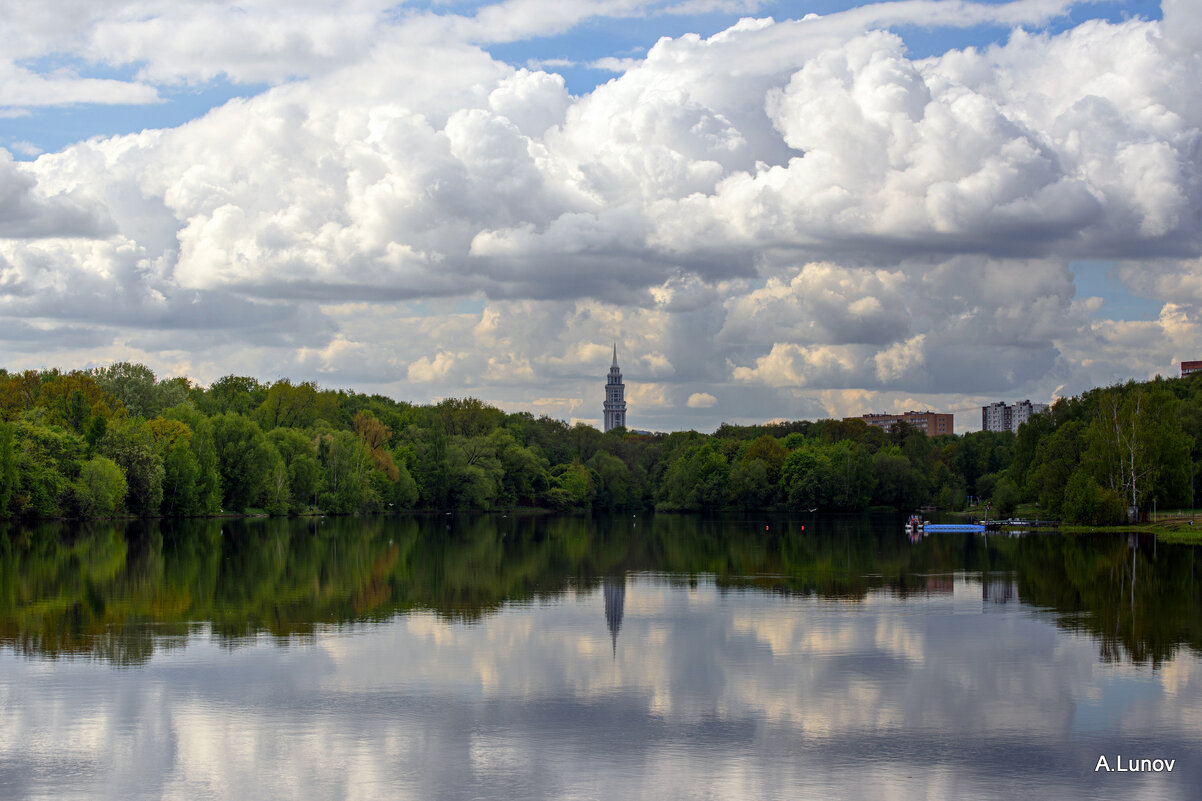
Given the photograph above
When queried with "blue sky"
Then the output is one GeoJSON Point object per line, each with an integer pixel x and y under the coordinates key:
{"type": "Point", "coordinates": [917, 204]}
{"type": "Point", "coordinates": [1101, 279]}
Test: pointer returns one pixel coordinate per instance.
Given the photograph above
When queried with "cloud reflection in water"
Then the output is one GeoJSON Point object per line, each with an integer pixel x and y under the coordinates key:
{"type": "Point", "coordinates": [701, 692]}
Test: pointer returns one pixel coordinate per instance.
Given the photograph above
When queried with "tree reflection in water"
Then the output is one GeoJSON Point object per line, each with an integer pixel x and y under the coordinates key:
{"type": "Point", "coordinates": [120, 591]}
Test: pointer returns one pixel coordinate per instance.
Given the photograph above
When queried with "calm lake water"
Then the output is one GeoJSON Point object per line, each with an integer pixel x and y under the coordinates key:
{"type": "Point", "coordinates": [663, 657]}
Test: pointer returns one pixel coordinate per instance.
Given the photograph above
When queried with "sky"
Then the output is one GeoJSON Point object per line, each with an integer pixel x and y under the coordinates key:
{"type": "Point", "coordinates": [775, 210]}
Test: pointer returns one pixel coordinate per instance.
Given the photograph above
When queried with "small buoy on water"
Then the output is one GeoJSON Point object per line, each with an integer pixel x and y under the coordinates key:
{"type": "Point", "coordinates": [765, 528]}
{"type": "Point", "coordinates": [803, 528]}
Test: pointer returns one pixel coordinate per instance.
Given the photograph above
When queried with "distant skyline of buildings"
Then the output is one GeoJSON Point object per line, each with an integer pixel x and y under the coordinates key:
{"type": "Point", "coordinates": [996, 416]}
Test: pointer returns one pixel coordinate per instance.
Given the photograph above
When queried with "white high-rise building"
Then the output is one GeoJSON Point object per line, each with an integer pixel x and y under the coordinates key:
{"type": "Point", "coordinates": [1002, 416]}
{"type": "Point", "coordinates": [615, 396]}
{"type": "Point", "coordinates": [996, 417]}
{"type": "Point", "coordinates": [1024, 411]}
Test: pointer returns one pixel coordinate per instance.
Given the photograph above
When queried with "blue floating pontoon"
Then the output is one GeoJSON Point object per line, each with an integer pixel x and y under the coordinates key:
{"type": "Point", "coordinates": [954, 527]}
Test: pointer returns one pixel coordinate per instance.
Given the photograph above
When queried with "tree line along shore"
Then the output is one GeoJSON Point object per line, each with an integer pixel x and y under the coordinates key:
{"type": "Point", "coordinates": [116, 440]}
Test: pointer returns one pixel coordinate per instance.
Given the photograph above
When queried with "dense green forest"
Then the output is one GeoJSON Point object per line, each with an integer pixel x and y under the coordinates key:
{"type": "Point", "coordinates": [116, 440]}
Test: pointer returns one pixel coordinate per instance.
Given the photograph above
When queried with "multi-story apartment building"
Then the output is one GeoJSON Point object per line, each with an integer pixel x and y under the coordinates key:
{"type": "Point", "coordinates": [1002, 416]}
{"type": "Point", "coordinates": [929, 423]}
{"type": "Point", "coordinates": [996, 416]}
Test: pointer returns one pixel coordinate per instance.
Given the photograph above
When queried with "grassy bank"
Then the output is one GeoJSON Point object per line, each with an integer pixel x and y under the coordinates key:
{"type": "Point", "coordinates": [1182, 526]}
{"type": "Point", "coordinates": [1174, 525]}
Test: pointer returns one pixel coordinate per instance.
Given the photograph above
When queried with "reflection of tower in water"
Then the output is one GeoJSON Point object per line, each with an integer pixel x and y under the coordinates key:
{"type": "Point", "coordinates": [615, 599]}
{"type": "Point", "coordinates": [999, 591]}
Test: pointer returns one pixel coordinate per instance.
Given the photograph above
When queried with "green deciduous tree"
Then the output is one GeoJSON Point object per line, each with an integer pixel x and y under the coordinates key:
{"type": "Point", "coordinates": [899, 483]}
{"type": "Point", "coordinates": [19, 392]}
{"type": "Point", "coordinates": [277, 495]}
{"type": "Point", "coordinates": [203, 447]}
{"type": "Point", "coordinates": [475, 472]}
{"type": "Point", "coordinates": [100, 488]}
{"type": "Point", "coordinates": [9, 477]}
{"type": "Point", "coordinates": [433, 474]}
{"type": "Point", "coordinates": [131, 445]}
{"type": "Point", "coordinates": [572, 486]}
{"type": "Point", "coordinates": [48, 461]}
{"type": "Point", "coordinates": [525, 469]}
{"type": "Point", "coordinates": [1136, 447]}
{"type": "Point", "coordinates": [697, 479]}
{"type": "Point", "coordinates": [804, 476]}
{"type": "Point", "coordinates": [771, 452]}
{"type": "Point", "coordinates": [72, 399]}
{"type": "Point", "coordinates": [181, 483]}
{"type": "Point", "coordinates": [613, 476]}
{"type": "Point", "coordinates": [291, 405]}
{"type": "Point", "coordinates": [299, 452]}
{"type": "Point", "coordinates": [244, 460]}
{"type": "Point", "coordinates": [346, 466]}
{"type": "Point", "coordinates": [748, 486]}
{"type": "Point", "coordinates": [133, 385]}
{"type": "Point", "coordinates": [466, 417]}
{"type": "Point", "coordinates": [233, 393]}
{"type": "Point", "coordinates": [1087, 502]}
{"type": "Point", "coordinates": [402, 493]}
{"type": "Point", "coordinates": [850, 477]}
{"type": "Point", "coordinates": [1005, 497]}
{"type": "Point", "coordinates": [1057, 457]}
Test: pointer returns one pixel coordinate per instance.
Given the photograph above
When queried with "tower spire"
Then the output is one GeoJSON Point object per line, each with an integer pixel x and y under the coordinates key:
{"type": "Point", "coordinates": [615, 397]}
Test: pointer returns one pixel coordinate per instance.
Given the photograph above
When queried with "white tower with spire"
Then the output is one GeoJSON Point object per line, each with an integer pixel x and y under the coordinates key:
{"type": "Point", "coordinates": [615, 396]}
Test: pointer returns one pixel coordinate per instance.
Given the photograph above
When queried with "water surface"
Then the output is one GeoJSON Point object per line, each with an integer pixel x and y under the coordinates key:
{"type": "Point", "coordinates": [669, 657]}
